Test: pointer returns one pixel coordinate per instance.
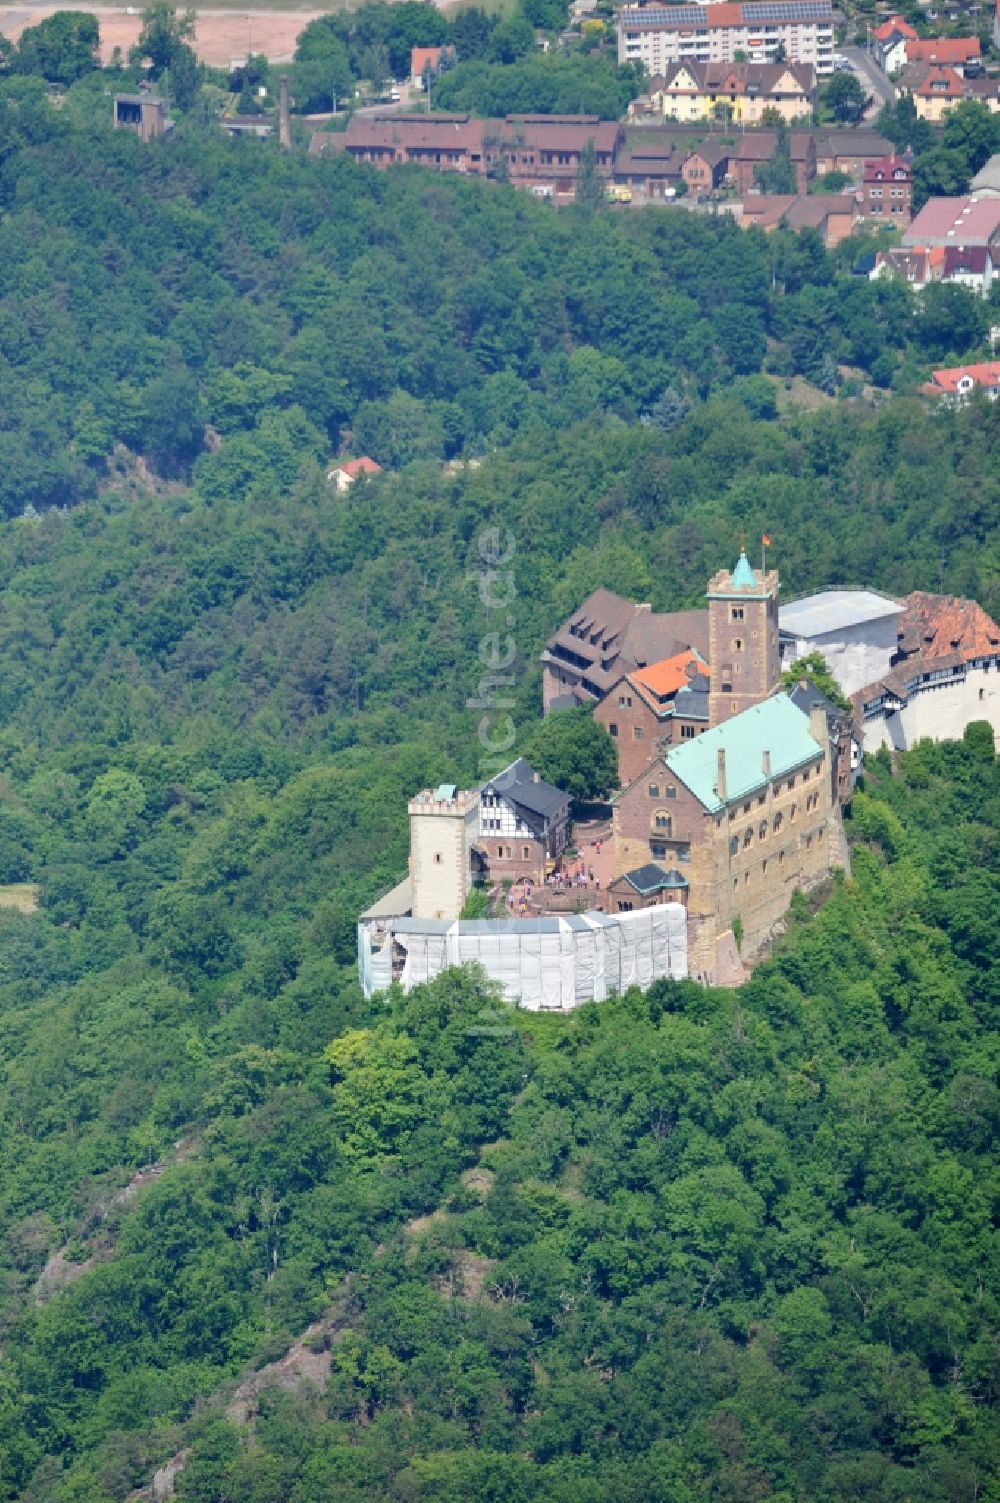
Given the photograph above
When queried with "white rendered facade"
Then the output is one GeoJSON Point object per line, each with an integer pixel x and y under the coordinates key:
{"type": "Point", "coordinates": [658, 35]}
{"type": "Point", "coordinates": [936, 707]}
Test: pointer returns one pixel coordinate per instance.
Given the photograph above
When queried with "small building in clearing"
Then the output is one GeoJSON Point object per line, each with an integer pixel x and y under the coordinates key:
{"type": "Point", "coordinates": [344, 474]}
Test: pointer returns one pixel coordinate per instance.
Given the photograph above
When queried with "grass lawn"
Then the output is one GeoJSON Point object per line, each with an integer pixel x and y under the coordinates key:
{"type": "Point", "coordinates": [20, 895]}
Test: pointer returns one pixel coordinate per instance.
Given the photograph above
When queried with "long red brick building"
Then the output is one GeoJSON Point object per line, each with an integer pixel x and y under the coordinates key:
{"type": "Point", "coordinates": [542, 152]}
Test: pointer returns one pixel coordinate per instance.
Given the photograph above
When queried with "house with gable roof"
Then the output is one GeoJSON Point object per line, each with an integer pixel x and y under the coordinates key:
{"type": "Point", "coordinates": [950, 52]}
{"type": "Point", "coordinates": [523, 824]}
{"type": "Point", "coordinates": [348, 471]}
{"type": "Point", "coordinates": [887, 190]}
{"type": "Point", "coordinates": [739, 92]}
{"type": "Point", "coordinates": [889, 43]}
{"type": "Point", "coordinates": [956, 383]}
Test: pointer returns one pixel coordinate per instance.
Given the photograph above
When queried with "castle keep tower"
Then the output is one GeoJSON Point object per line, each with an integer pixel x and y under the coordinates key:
{"type": "Point", "coordinates": [742, 639]}
{"type": "Point", "coordinates": [444, 824]}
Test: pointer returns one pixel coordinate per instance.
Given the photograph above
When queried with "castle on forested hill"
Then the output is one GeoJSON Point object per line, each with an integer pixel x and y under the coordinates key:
{"type": "Point", "coordinates": [730, 796]}
{"type": "Point", "coordinates": [744, 808]}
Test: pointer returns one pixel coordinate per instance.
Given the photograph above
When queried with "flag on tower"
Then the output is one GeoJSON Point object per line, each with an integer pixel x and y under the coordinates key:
{"type": "Point", "coordinates": [765, 539]}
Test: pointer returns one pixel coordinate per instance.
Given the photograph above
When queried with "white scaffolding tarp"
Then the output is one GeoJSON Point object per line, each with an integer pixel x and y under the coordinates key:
{"type": "Point", "coordinates": [554, 963]}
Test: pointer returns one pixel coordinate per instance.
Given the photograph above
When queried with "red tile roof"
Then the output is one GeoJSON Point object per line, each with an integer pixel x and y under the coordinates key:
{"type": "Point", "coordinates": [985, 374]}
{"type": "Point", "coordinates": [881, 171]}
{"type": "Point", "coordinates": [939, 626]}
{"type": "Point", "coordinates": [413, 133]}
{"type": "Point", "coordinates": [420, 57]}
{"type": "Point", "coordinates": [362, 466]}
{"type": "Point", "coordinates": [940, 83]}
{"type": "Point", "coordinates": [663, 679]}
{"type": "Point", "coordinates": [942, 49]}
{"type": "Point", "coordinates": [895, 26]}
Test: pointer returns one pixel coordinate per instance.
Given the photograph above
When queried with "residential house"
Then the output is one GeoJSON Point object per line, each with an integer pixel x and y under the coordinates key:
{"type": "Point", "coordinates": [607, 636]}
{"type": "Point", "coordinates": [955, 221]}
{"type": "Point", "coordinates": [705, 168]}
{"type": "Point", "coordinates": [424, 60]}
{"type": "Point", "coordinates": [888, 43]}
{"type": "Point", "coordinates": [832, 215]}
{"type": "Point", "coordinates": [951, 52]}
{"type": "Point", "coordinates": [657, 34]}
{"type": "Point", "coordinates": [970, 266]}
{"type": "Point", "coordinates": [754, 148]}
{"type": "Point", "coordinates": [735, 92]}
{"type": "Point", "coordinates": [523, 824]}
{"type": "Point", "coordinates": [935, 89]}
{"type": "Point", "coordinates": [647, 886]}
{"type": "Point", "coordinates": [745, 813]}
{"type": "Point", "coordinates": [887, 190]}
{"type": "Point", "coordinates": [345, 474]}
{"type": "Point", "coordinates": [918, 265]}
{"type": "Point", "coordinates": [661, 704]}
{"type": "Point", "coordinates": [958, 382]}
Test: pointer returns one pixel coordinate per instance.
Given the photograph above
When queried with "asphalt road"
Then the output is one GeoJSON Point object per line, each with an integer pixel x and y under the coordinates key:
{"type": "Point", "coordinates": [871, 75]}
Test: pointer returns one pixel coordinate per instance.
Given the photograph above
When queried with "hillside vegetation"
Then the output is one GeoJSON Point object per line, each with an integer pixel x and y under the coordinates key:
{"type": "Point", "coordinates": [282, 307]}
{"type": "Point", "coordinates": [694, 1246]}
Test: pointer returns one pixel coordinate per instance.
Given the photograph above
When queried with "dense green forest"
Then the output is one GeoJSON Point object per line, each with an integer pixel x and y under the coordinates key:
{"type": "Point", "coordinates": [694, 1246]}
{"type": "Point", "coordinates": [238, 315]}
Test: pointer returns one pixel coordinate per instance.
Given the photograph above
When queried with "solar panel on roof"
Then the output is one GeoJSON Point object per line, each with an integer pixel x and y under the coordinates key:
{"type": "Point", "coordinates": [756, 13]}
{"type": "Point", "coordinates": [787, 10]}
{"type": "Point", "coordinates": [667, 15]}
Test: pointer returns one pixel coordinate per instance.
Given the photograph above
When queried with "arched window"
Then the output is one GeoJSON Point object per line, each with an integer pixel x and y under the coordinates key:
{"type": "Point", "coordinates": [737, 644]}
{"type": "Point", "coordinates": [663, 822]}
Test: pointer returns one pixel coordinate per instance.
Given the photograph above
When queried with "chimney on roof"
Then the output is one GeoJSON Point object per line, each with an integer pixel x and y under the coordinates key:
{"type": "Point", "coordinates": [819, 726]}
{"type": "Point", "coordinates": [720, 776]}
{"type": "Point", "coordinates": [284, 126]}
{"type": "Point", "coordinates": [766, 763]}
{"type": "Point", "coordinates": [535, 778]}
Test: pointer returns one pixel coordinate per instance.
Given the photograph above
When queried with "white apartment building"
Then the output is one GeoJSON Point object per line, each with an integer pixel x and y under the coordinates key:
{"type": "Point", "coordinates": [657, 35]}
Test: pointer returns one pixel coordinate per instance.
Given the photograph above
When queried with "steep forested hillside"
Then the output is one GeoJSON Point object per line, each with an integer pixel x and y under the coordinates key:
{"type": "Point", "coordinates": [692, 1246]}
{"type": "Point", "coordinates": [292, 305]}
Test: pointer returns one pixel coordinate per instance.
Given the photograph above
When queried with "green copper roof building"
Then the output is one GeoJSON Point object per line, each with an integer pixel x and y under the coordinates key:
{"type": "Point", "coordinates": [775, 727]}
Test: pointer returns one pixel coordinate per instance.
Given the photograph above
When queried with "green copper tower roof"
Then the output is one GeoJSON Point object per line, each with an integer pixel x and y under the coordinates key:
{"type": "Point", "coordinates": [743, 575]}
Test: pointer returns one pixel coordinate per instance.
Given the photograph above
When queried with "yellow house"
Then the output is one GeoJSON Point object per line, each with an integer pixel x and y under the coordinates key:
{"type": "Point", "coordinates": [935, 89]}
{"type": "Point", "coordinates": [736, 92]}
